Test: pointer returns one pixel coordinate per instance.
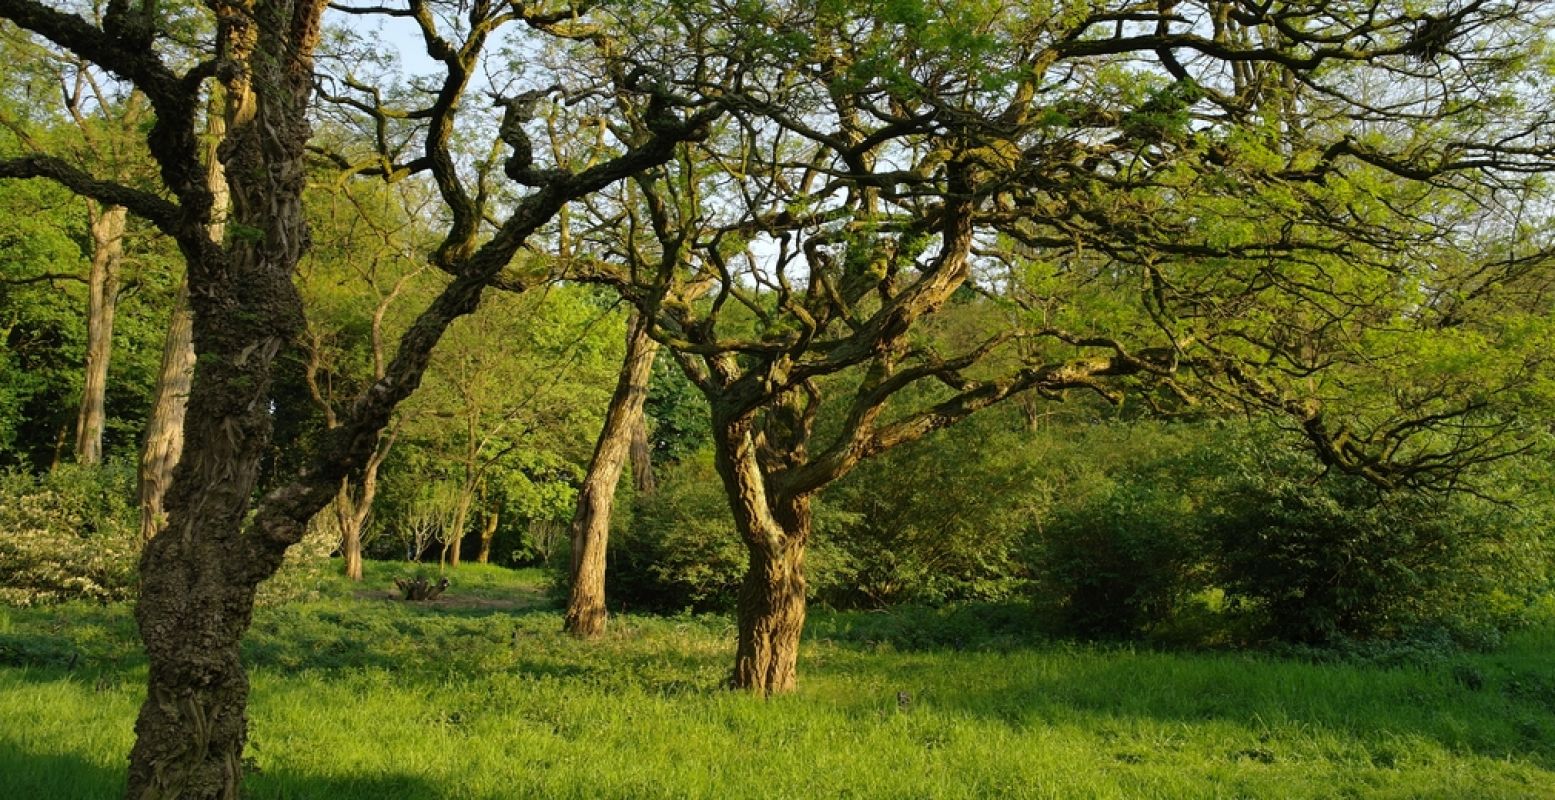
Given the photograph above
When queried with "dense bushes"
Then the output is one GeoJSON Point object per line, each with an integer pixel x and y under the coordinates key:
{"type": "Point", "coordinates": [938, 522]}
{"type": "Point", "coordinates": [73, 533]}
{"type": "Point", "coordinates": [1289, 552]}
{"type": "Point", "coordinates": [70, 533]}
{"type": "Point", "coordinates": [679, 549]}
{"type": "Point", "coordinates": [1320, 558]}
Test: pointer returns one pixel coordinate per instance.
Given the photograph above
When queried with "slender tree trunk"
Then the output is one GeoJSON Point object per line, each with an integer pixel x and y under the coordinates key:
{"type": "Point", "coordinates": [591, 523]}
{"type": "Point", "coordinates": [346, 515]}
{"type": "Point", "coordinates": [61, 439]}
{"type": "Point", "coordinates": [165, 427]}
{"type": "Point", "coordinates": [454, 546]}
{"type": "Point", "coordinates": [354, 505]}
{"type": "Point", "coordinates": [488, 533]}
{"type": "Point", "coordinates": [107, 233]}
{"type": "Point", "coordinates": [642, 455]}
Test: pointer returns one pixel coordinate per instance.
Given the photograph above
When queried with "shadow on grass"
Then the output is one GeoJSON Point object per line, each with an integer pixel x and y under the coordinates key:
{"type": "Point", "coordinates": [972, 626]}
{"type": "Point", "coordinates": [27, 775]}
{"type": "Point", "coordinates": [47, 776]}
{"type": "Point", "coordinates": [280, 785]}
{"type": "Point", "coordinates": [1378, 711]}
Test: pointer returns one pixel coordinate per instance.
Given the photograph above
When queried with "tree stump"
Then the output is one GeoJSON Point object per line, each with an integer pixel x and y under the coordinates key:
{"type": "Point", "coordinates": [420, 589]}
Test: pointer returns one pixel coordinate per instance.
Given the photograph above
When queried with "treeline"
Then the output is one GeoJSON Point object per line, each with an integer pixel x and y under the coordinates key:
{"type": "Point", "coordinates": [1200, 530]}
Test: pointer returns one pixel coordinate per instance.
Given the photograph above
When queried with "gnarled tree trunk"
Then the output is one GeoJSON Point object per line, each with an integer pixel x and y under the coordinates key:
{"type": "Point", "coordinates": [775, 526]}
{"type": "Point", "coordinates": [199, 575]}
{"type": "Point", "coordinates": [771, 610]}
{"type": "Point", "coordinates": [106, 224]}
{"type": "Point", "coordinates": [591, 523]}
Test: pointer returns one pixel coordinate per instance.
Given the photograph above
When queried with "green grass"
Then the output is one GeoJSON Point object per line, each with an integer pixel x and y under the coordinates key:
{"type": "Point", "coordinates": [481, 696]}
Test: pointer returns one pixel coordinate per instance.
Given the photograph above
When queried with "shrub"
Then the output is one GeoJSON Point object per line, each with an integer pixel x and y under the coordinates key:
{"type": "Point", "coordinates": [681, 550]}
{"type": "Point", "coordinates": [1322, 558]}
{"type": "Point", "coordinates": [1155, 519]}
{"type": "Point", "coordinates": [70, 533]}
{"type": "Point", "coordinates": [938, 521]}
{"type": "Point", "coordinates": [1120, 552]}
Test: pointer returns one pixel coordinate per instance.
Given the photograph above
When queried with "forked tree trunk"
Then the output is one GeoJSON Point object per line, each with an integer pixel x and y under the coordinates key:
{"type": "Point", "coordinates": [453, 547]}
{"type": "Point", "coordinates": [775, 527]}
{"type": "Point", "coordinates": [354, 505]}
{"type": "Point", "coordinates": [351, 515]}
{"type": "Point", "coordinates": [106, 225]}
{"type": "Point", "coordinates": [585, 616]}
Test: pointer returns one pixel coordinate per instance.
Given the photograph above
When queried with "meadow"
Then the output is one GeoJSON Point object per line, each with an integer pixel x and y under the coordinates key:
{"type": "Point", "coordinates": [479, 695]}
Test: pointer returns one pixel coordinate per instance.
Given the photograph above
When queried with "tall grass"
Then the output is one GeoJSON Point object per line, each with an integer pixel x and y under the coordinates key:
{"type": "Point", "coordinates": [357, 695]}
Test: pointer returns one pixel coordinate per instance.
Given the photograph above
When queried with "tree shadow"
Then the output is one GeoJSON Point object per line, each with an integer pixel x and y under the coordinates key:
{"type": "Point", "coordinates": [279, 784]}
{"type": "Point", "coordinates": [46, 776]}
{"type": "Point", "coordinates": [67, 776]}
{"type": "Point", "coordinates": [1377, 710]}
{"type": "Point", "coordinates": [965, 626]}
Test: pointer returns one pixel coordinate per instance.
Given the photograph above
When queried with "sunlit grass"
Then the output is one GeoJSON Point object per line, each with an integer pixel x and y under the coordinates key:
{"type": "Point", "coordinates": [481, 696]}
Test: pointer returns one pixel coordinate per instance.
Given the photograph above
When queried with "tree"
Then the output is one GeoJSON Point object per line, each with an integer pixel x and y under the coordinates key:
{"type": "Point", "coordinates": [469, 427]}
{"type": "Point", "coordinates": [95, 127]}
{"type": "Point", "coordinates": [363, 263]}
{"type": "Point", "coordinates": [618, 440]}
{"type": "Point", "coordinates": [1193, 203]}
{"type": "Point", "coordinates": [104, 120]}
{"type": "Point", "coordinates": [200, 574]}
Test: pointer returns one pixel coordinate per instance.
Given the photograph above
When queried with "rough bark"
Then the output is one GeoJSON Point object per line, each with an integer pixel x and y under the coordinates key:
{"type": "Point", "coordinates": [199, 576]}
{"type": "Point", "coordinates": [591, 522]}
{"type": "Point", "coordinates": [106, 226]}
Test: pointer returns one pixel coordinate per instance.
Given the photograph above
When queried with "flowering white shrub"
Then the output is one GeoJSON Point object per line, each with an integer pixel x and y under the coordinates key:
{"type": "Point", "coordinates": [69, 534]}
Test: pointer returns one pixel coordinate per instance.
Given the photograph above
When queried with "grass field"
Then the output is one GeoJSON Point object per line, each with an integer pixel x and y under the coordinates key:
{"type": "Point", "coordinates": [480, 696]}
